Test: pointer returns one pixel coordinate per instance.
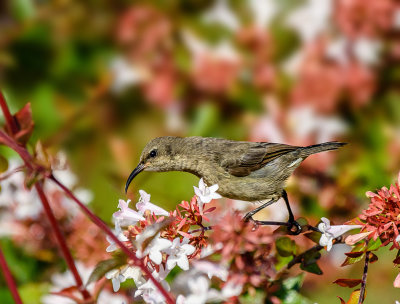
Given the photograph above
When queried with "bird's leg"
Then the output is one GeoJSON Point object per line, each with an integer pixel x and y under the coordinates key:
{"type": "Point", "coordinates": [249, 215]}
{"type": "Point", "coordinates": [291, 222]}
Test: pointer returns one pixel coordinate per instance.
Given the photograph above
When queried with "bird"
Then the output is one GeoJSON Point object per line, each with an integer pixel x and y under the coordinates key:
{"type": "Point", "coordinates": [243, 170]}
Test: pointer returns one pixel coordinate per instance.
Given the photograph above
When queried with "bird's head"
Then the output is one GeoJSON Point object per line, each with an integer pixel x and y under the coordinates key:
{"type": "Point", "coordinates": [157, 155]}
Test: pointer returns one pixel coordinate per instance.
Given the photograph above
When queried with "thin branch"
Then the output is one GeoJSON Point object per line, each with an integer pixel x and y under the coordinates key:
{"type": "Point", "coordinates": [364, 278]}
{"type": "Point", "coordinates": [9, 279]}
{"type": "Point", "coordinates": [138, 262]}
{"type": "Point", "coordinates": [61, 241]}
{"type": "Point", "coordinates": [298, 258]}
{"type": "Point", "coordinates": [10, 142]}
{"type": "Point", "coordinates": [10, 121]}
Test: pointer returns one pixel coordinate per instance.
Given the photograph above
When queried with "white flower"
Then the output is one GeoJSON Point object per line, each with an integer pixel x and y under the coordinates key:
{"type": "Point", "coordinates": [145, 204]}
{"type": "Point", "coordinates": [116, 277]}
{"type": "Point", "coordinates": [65, 280]}
{"type": "Point", "coordinates": [26, 203]}
{"type": "Point", "coordinates": [126, 213]}
{"type": "Point", "coordinates": [224, 50]}
{"type": "Point", "coordinates": [396, 21]}
{"type": "Point", "coordinates": [210, 249]}
{"type": "Point", "coordinates": [231, 289]}
{"type": "Point", "coordinates": [367, 50]}
{"type": "Point", "coordinates": [178, 253]}
{"type": "Point", "coordinates": [154, 249]}
{"type": "Point", "coordinates": [211, 269]}
{"type": "Point", "coordinates": [125, 74]}
{"type": "Point", "coordinates": [66, 177]}
{"type": "Point", "coordinates": [398, 239]}
{"type": "Point", "coordinates": [337, 50]}
{"type": "Point", "coordinates": [263, 12]}
{"type": "Point", "coordinates": [181, 299]}
{"type": "Point", "coordinates": [305, 121]}
{"type": "Point", "coordinates": [205, 193]}
{"type": "Point", "coordinates": [222, 14]}
{"type": "Point", "coordinates": [107, 297]}
{"type": "Point", "coordinates": [329, 233]}
{"type": "Point", "coordinates": [199, 290]}
{"type": "Point", "coordinates": [149, 291]}
{"type": "Point", "coordinates": [134, 273]}
{"type": "Point", "coordinates": [311, 19]}
{"type": "Point", "coordinates": [119, 234]}
{"type": "Point", "coordinates": [84, 195]}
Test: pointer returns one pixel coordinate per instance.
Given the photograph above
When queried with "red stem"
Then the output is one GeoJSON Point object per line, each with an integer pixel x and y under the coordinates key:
{"type": "Point", "coordinates": [61, 241]}
{"type": "Point", "coordinates": [9, 279]}
{"type": "Point", "coordinates": [106, 229]}
{"type": "Point", "coordinates": [11, 123]}
{"type": "Point", "coordinates": [23, 153]}
{"type": "Point", "coordinates": [27, 158]}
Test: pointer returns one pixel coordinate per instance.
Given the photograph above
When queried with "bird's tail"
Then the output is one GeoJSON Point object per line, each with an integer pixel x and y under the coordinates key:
{"type": "Point", "coordinates": [306, 151]}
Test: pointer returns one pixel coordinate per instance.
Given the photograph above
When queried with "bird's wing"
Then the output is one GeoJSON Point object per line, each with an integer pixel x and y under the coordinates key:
{"type": "Point", "coordinates": [254, 157]}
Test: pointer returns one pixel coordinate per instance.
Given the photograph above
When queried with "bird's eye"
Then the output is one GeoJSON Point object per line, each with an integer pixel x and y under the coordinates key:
{"type": "Point", "coordinates": [153, 153]}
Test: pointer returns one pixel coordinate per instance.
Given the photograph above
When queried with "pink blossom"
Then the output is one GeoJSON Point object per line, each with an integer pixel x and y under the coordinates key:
{"type": "Point", "coordinates": [127, 213]}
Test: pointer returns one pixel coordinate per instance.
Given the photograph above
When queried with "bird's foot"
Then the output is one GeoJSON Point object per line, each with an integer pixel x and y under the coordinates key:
{"type": "Point", "coordinates": [293, 227]}
{"type": "Point", "coordinates": [248, 217]}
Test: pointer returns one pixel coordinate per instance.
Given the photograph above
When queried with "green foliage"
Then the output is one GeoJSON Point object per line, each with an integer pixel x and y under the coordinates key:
{"type": "Point", "coordinates": [285, 246]}
{"type": "Point", "coordinates": [105, 266]}
{"type": "Point", "coordinates": [289, 291]}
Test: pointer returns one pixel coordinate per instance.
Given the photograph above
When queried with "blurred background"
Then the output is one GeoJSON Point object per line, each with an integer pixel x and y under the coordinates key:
{"type": "Point", "coordinates": [105, 77]}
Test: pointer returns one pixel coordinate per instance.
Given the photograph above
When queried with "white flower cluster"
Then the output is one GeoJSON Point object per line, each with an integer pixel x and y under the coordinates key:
{"type": "Point", "coordinates": [25, 203]}
{"type": "Point", "coordinates": [176, 251]}
{"type": "Point", "coordinates": [66, 279]}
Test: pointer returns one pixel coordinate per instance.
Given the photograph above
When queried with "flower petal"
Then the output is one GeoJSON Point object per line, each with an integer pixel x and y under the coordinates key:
{"type": "Point", "coordinates": [396, 282]}
{"type": "Point", "coordinates": [338, 230]}
{"type": "Point", "coordinates": [202, 185]}
{"type": "Point", "coordinates": [171, 262]}
{"type": "Point", "coordinates": [352, 239]}
{"type": "Point", "coordinates": [188, 249]}
{"type": "Point", "coordinates": [213, 188]}
{"type": "Point", "coordinates": [155, 256]}
{"type": "Point", "coordinates": [183, 262]}
{"type": "Point", "coordinates": [324, 240]}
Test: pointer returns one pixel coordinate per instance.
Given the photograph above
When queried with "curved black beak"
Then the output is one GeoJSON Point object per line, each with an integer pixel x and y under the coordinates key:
{"type": "Point", "coordinates": [135, 172]}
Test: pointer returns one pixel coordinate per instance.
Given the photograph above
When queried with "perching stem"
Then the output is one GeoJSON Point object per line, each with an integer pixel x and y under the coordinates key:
{"type": "Point", "coordinates": [364, 278]}
{"type": "Point", "coordinates": [9, 279]}
{"type": "Point", "coordinates": [61, 241]}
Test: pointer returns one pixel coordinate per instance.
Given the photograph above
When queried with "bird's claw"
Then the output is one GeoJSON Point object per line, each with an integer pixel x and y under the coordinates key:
{"type": "Point", "coordinates": [293, 224]}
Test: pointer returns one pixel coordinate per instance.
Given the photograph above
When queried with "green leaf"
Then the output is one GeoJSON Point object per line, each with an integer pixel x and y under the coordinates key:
{"type": "Point", "coordinates": [105, 266]}
{"type": "Point", "coordinates": [302, 221]}
{"type": "Point", "coordinates": [3, 164]}
{"type": "Point", "coordinates": [311, 257]}
{"type": "Point", "coordinates": [354, 297]}
{"type": "Point", "coordinates": [374, 244]}
{"type": "Point", "coordinates": [293, 283]}
{"type": "Point", "coordinates": [285, 246]}
{"type": "Point", "coordinates": [312, 268]}
{"type": "Point", "coordinates": [313, 236]}
{"type": "Point", "coordinates": [350, 261]}
{"type": "Point", "coordinates": [282, 261]}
